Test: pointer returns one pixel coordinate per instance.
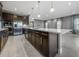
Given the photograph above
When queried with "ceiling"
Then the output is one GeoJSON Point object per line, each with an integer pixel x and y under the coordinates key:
{"type": "Point", "coordinates": [61, 8]}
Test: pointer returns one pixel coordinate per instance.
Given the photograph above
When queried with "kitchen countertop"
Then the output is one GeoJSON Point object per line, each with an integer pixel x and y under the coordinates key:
{"type": "Point", "coordinates": [51, 30]}
{"type": "Point", "coordinates": [2, 29]}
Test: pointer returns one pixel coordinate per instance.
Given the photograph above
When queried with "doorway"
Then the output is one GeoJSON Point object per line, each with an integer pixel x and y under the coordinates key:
{"type": "Point", "coordinates": [76, 24]}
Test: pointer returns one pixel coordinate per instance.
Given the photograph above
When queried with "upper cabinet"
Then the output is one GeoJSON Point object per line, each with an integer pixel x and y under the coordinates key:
{"type": "Point", "coordinates": [7, 17]}
{"type": "Point", "coordinates": [17, 18]}
{"type": "Point", "coordinates": [26, 20]}
{"type": "Point", "coordinates": [12, 17]}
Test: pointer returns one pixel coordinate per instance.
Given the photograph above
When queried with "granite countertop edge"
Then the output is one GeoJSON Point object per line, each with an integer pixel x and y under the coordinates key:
{"type": "Point", "coordinates": [50, 30]}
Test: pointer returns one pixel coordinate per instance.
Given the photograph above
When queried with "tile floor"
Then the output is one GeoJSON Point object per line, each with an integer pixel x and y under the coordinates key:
{"type": "Point", "coordinates": [70, 46]}
{"type": "Point", "coordinates": [18, 46]}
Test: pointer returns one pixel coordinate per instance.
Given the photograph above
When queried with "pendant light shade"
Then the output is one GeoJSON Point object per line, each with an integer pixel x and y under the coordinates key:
{"type": "Point", "coordinates": [38, 10]}
{"type": "Point", "coordinates": [52, 9]}
{"type": "Point", "coordinates": [32, 13]}
{"type": "Point", "coordinates": [39, 16]}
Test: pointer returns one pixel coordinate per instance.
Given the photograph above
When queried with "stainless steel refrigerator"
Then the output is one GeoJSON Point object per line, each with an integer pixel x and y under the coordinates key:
{"type": "Point", "coordinates": [17, 27]}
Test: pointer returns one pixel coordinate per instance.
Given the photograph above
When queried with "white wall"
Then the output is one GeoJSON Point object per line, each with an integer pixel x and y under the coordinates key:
{"type": "Point", "coordinates": [51, 23]}
{"type": "Point", "coordinates": [67, 22]}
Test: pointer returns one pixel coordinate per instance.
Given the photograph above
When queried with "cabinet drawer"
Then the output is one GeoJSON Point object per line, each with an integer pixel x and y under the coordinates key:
{"type": "Point", "coordinates": [39, 43]}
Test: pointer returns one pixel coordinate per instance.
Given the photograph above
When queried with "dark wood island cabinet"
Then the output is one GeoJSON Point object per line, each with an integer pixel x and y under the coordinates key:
{"type": "Point", "coordinates": [41, 41]}
{"type": "Point", "coordinates": [3, 38]}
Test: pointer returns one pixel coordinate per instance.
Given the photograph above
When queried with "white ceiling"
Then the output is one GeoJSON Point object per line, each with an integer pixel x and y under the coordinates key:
{"type": "Point", "coordinates": [62, 8]}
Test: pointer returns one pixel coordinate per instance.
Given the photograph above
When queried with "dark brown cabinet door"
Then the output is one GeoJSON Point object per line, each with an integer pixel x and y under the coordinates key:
{"type": "Point", "coordinates": [30, 36]}
{"type": "Point", "coordinates": [0, 43]}
{"type": "Point", "coordinates": [33, 39]}
{"type": "Point", "coordinates": [26, 20]}
{"type": "Point", "coordinates": [0, 11]}
{"type": "Point", "coordinates": [25, 33]}
{"type": "Point", "coordinates": [7, 16]}
{"type": "Point", "coordinates": [39, 40]}
{"type": "Point", "coordinates": [45, 44]}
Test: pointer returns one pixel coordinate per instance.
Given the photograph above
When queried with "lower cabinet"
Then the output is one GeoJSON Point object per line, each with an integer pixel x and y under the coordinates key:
{"type": "Point", "coordinates": [45, 44]}
{"type": "Point", "coordinates": [39, 40]}
{"type": "Point", "coordinates": [33, 38]}
{"type": "Point", "coordinates": [3, 38]}
{"type": "Point", "coordinates": [30, 36]}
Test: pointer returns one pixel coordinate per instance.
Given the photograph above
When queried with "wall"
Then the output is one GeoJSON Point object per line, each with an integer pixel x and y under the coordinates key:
{"type": "Point", "coordinates": [59, 23]}
{"type": "Point", "coordinates": [67, 22]}
{"type": "Point", "coordinates": [52, 24]}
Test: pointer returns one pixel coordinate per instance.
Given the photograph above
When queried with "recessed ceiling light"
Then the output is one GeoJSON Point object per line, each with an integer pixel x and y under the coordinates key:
{"type": "Point", "coordinates": [69, 3]}
{"type": "Point", "coordinates": [37, 6]}
{"type": "Point", "coordinates": [15, 9]}
{"type": "Point", "coordinates": [52, 10]}
{"type": "Point", "coordinates": [39, 16]}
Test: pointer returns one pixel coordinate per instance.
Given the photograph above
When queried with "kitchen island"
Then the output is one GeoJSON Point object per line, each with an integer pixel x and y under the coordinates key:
{"type": "Point", "coordinates": [47, 41]}
{"type": "Point", "coordinates": [3, 37]}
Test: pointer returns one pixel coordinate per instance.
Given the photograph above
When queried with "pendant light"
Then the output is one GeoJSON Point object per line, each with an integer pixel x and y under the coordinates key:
{"type": "Point", "coordinates": [38, 15]}
{"type": "Point", "coordinates": [38, 10]}
{"type": "Point", "coordinates": [32, 11]}
{"type": "Point", "coordinates": [51, 9]}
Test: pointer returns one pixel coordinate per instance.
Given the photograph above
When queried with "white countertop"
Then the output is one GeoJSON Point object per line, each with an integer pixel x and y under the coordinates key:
{"type": "Point", "coordinates": [1, 29]}
{"type": "Point", "coordinates": [60, 31]}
